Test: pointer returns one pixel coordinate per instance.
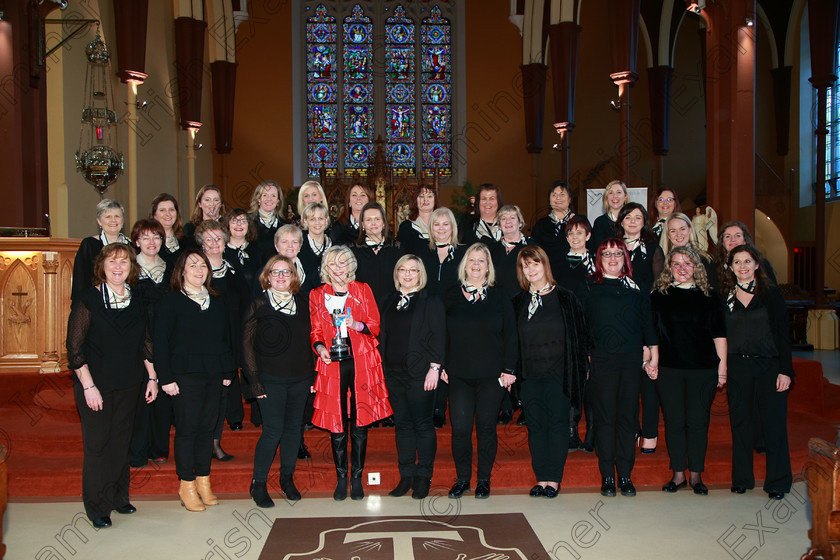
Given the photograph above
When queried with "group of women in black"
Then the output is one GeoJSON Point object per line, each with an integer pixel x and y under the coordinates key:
{"type": "Point", "coordinates": [574, 319]}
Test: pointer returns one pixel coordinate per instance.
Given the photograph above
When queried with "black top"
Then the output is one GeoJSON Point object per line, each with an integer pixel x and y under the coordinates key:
{"type": "Point", "coordinates": [188, 340]}
{"type": "Point", "coordinates": [761, 328]}
{"type": "Point", "coordinates": [188, 241]}
{"type": "Point", "coordinates": [442, 275]}
{"type": "Point", "coordinates": [570, 273]}
{"type": "Point", "coordinates": [687, 321]}
{"type": "Point", "coordinates": [265, 237]}
{"type": "Point", "coordinates": [276, 344]}
{"type": "Point", "coordinates": [248, 265]}
{"type": "Point", "coordinates": [505, 264]}
{"type": "Point", "coordinates": [112, 342]}
{"type": "Point", "coordinates": [377, 269]}
{"type": "Point", "coordinates": [467, 233]}
{"type": "Point", "coordinates": [311, 267]}
{"type": "Point", "coordinates": [411, 240]}
{"type": "Point", "coordinates": [722, 268]}
{"type": "Point", "coordinates": [602, 228]}
{"type": "Point", "coordinates": [89, 249]}
{"type": "Point", "coordinates": [152, 292]}
{"type": "Point", "coordinates": [647, 265]}
{"type": "Point", "coordinates": [551, 237]}
{"type": "Point", "coordinates": [555, 341]}
{"type": "Point", "coordinates": [234, 293]}
{"type": "Point", "coordinates": [422, 343]}
{"type": "Point", "coordinates": [344, 234]}
{"type": "Point", "coordinates": [170, 256]}
{"type": "Point", "coordinates": [481, 336]}
{"type": "Point", "coordinates": [619, 317]}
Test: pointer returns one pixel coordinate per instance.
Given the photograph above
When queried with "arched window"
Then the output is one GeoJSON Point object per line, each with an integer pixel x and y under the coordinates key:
{"type": "Point", "coordinates": [832, 141]}
{"type": "Point", "coordinates": [378, 69]}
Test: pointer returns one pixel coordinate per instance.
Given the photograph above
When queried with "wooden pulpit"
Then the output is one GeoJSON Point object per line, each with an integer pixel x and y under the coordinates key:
{"type": "Point", "coordinates": [35, 278]}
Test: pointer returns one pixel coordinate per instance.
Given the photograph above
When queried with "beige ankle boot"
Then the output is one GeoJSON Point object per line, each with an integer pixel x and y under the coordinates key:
{"type": "Point", "coordinates": [189, 496]}
{"type": "Point", "coordinates": [202, 483]}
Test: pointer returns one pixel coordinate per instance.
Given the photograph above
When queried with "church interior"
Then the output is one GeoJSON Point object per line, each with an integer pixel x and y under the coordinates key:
{"type": "Point", "coordinates": [731, 104]}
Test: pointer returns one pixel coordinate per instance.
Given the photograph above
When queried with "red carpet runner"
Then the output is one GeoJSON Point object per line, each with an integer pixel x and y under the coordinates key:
{"type": "Point", "coordinates": [39, 425]}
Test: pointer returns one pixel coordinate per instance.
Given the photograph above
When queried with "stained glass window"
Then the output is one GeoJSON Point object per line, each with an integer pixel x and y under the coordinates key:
{"type": "Point", "coordinates": [436, 92]}
{"type": "Point", "coordinates": [358, 89]}
{"type": "Point", "coordinates": [388, 73]}
{"type": "Point", "coordinates": [321, 102]}
{"type": "Point", "coordinates": [400, 103]}
{"type": "Point", "coordinates": [832, 140]}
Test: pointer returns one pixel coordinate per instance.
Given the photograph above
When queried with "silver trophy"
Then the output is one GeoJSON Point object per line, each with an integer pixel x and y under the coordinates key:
{"type": "Point", "coordinates": [340, 349]}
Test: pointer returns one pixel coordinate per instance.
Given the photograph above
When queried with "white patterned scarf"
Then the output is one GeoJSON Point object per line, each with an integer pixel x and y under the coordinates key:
{"type": "Point", "coordinates": [284, 302]}
{"type": "Point", "coordinates": [201, 297]}
{"type": "Point", "coordinates": [112, 300]}
{"type": "Point", "coordinates": [153, 271]}
{"type": "Point", "coordinates": [536, 299]}
{"type": "Point", "coordinates": [475, 294]}
{"type": "Point", "coordinates": [268, 219]}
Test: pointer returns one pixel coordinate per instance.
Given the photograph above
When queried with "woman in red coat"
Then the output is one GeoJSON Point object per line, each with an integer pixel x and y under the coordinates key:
{"type": "Point", "coordinates": [346, 306]}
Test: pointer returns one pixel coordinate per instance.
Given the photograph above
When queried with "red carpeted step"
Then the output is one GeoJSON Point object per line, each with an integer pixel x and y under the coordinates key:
{"type": "Point", "coordinates": [45, 443]}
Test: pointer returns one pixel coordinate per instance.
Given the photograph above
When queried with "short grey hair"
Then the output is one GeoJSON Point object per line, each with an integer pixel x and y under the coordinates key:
{"type": "Point", "coordinates": [107, 204]}
{"type": "Point", "coordinates": [286, 230]}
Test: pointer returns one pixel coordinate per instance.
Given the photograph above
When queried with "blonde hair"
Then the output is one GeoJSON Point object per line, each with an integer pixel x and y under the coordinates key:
{"type": "Point", "coordinates": [692, 235]}
{"type": "Point", "coordinates": [491, 270]}
{"type": "Point", "coordinates": [701, 280]}
{"type": "Point", "coordinates": [443, 211]}
{"type": "Point", "coordinates": [309, 211]}
{"type": "Point", "coordinates": [258, 192]}
{"type": "Point", "coordinates": [512, 209]}
{"type": "Point", "coordinates": [423, 276]}
{"type": "Point", "coordinates": [334, 253]}
{"type": "Point", "coordinates": [607, 191]}
{"type": "Point", "coordinates": [304, 187]}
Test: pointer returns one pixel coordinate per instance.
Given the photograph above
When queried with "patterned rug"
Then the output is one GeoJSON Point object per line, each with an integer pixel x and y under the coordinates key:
{"type": "Point", "coordinates": [502, 536]}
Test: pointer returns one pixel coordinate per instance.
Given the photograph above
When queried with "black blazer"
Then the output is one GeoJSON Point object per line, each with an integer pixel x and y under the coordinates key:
{"type": "Point", "coordinates": [427, 337]}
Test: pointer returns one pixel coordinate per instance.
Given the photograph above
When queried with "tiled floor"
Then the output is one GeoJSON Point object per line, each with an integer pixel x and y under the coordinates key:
{"type": "Point", "coordinates": [650, 526]}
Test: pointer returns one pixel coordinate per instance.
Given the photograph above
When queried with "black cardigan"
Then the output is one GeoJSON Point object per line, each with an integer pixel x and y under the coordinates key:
{"type": "Point", "coordinates": [481, 336]}
{"type": "Point", "coordinates": [505, 265]}
{"type": "Point", "coordinates": [89, 249]}
{"type": "Point", "coordinates": [774, 303]}
{"type": "Point", "coordinates": [377, 269]}
{"type": "Point", "coordinates": [411, 241]}
{"type": "Point", "coordinates": [112, 342]}
{"type": "Point", "coordinates": [427, 336]}
{"type": "Point", "coordinates": [276, 344]}
{"type": "Point", "coordinates": [620, 318]}
{"type": "Point", "coordinates": [441, 276]}
{"type": "Point", "coordinates": [577, 342]}
{"type": "Point", "coordinates": [191, 341]}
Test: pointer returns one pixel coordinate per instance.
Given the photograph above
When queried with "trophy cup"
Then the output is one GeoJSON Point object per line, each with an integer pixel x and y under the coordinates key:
{"type": "Point", "coordinates": [339, 350]}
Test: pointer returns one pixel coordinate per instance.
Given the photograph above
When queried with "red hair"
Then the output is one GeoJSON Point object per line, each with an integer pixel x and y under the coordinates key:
{"type": "Point", "coordinates": [612, 243]}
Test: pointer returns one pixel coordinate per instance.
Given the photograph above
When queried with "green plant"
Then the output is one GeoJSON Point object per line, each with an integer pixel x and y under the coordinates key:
{"type": "Point", "coordinates": [461, 203]}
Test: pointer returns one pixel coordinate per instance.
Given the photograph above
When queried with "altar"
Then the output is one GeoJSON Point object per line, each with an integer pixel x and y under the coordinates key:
{"type": "Point", "coordinates": [35, 278]}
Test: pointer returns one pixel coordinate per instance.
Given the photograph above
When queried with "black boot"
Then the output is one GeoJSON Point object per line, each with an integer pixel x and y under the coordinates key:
{"type": "Point", "coordinates": [287, 484]}
{"type": "Point", "coordinates": [259, 493]}
{"type": "Point", "coordinates": [358, 450]}
{"type": "Point", "coordinates": [339, 449]}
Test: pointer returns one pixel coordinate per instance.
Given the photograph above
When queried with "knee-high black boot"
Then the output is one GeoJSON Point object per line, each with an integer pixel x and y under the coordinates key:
{"type": "Point", "coordinates": [339, 450]}
{"type": "Point", "coordinates": [358, 450]}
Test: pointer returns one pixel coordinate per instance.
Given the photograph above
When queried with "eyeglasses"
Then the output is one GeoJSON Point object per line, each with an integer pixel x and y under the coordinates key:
{"type": "Point", "coordinates": [239, 221]}
{"type": "Point", "coordinates": [213, 240]}
{"type": "Point", "coordinates": [283, 273]}
{"type": "Point", "coordinates": [609, 255]}
{"type": "Point", "coordinates": [402, 270]}
{"type": "Point", "coordinates": [661, 199]}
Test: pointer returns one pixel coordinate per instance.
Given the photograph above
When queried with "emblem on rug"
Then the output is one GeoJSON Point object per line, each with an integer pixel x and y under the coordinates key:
{"type": "Point", "coordinates": [502, 536]}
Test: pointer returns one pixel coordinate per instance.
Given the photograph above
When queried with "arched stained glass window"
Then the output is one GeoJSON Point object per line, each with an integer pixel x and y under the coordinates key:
{"type": "Point", "coordinates": [437, 92]}
{"type": "Point", "coordinates": [322, 106]}
{"type": "Point", "coordinates": [393, 80]}
{"type": "Point", "coordinates": [400, 96]}
{"type": "Point", "coordinates": [358, 89]}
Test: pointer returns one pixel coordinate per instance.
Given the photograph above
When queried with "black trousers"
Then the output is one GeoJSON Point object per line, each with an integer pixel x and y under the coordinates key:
{"type": "Point", "coordinates": [546, 410]}
{"type": "Point", "coordinates": [152, 423]}
{"type": "Point", "coordinates": [474, 401]}
{"type": "Point", "coordinates": [282, 415]}
{"type": "Point", "coordinates": [753, 398]}
{"type": "Point", "coordinates": [414, 429]}
{"type": "Point", "coordinates": [686, 396]}
{"type": "Point", "coordinates": [650, 407]}
{"type": "Point", "coordinates": [234, 410]}
{"type": "Point", "coordinates": [614, 379]}
{"type": "Point", "coordinates": [106, 435]}
{"type": "Point", "coordinates": [225, 398]}
{"type": "Point", "coordinates": [196, 410]}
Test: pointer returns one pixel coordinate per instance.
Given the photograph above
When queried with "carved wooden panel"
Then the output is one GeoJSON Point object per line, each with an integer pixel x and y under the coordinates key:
{"type": "Point", "coordinates": [65, 280]}
{"type": "Point", "coordinates": [18, 311]}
